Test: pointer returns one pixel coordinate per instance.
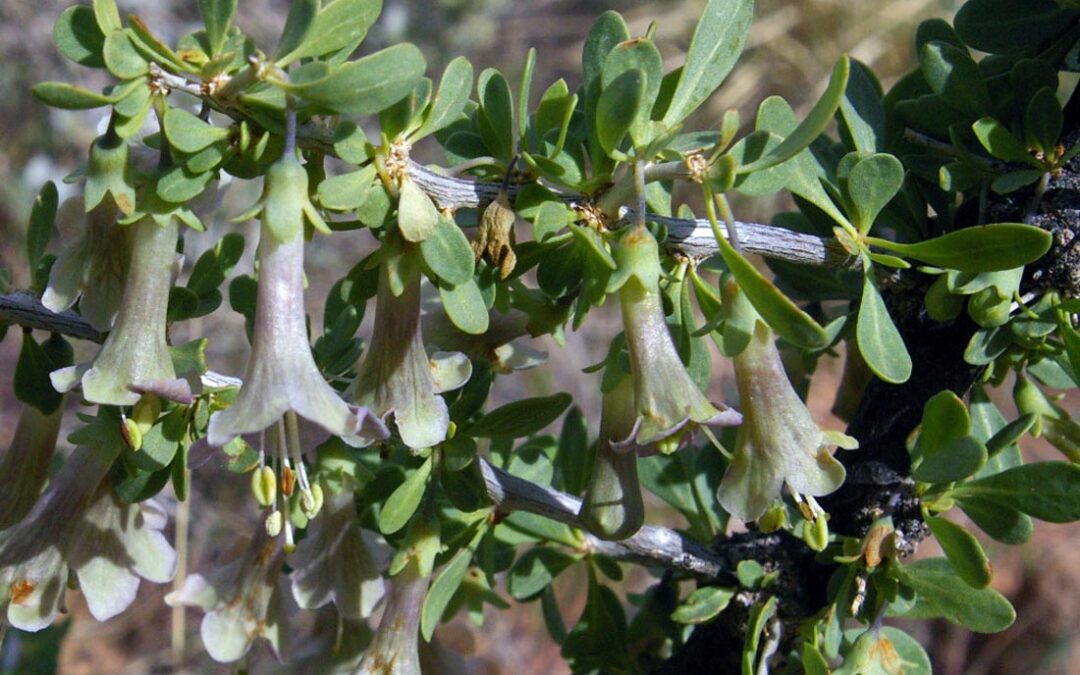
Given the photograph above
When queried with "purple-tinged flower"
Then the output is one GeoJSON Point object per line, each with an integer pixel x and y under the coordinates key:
{"type": "Point", "coordinates": [778, 443]}
{"type": "Point", "coordinates": [25, 466]}
{"type": "Point", "coordinates": [612, 508]}
{"type": "Point", "coordinates": [93, 265]}
{"type": "Point", "coordinates": [669, 405]}
{"type": "Point", "coordinates": [334, 563]}
{"type": "Point", "coordinates": [395, 648]}
{"type": "Point", "coordinates": [396, 377]}
{"type": "Point", "coordinates": [243, 600]}
{"type": "Point", "coordinates": [281, 374]}
{"type": "Point", "coordinates": [135, 357]}
{"type": "Point", "coordinates": [79, 524]}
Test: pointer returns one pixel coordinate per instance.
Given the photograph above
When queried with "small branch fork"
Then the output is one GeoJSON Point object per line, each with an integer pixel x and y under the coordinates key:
{"type": "Point", "coordinates": [652, 545]}
{"type": "Point", "coordinates": [691, 237]}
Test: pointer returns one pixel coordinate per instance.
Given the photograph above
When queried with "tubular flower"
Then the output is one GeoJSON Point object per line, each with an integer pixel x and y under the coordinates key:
{"type": "Point", "coordinates": [243, 600]}
{"type": "Point", "coordinates": [778, 443]}
{"type": "Point", "coordinates": [109, 174]}
{"type": "Point", "coordinates": [281, 374]}
{"type": "Point", "coordinates": [334, 563]}
{"type": "Point", "coordinates": [25, 465]}
{"type": "Point", "coordinates": [135, 357]}
{"type": "Point", "coordinates": [669, 405]}
{"type": "Point", "coordinates": [92, 268]}
{"type": "Point", "coordinates": [395, 648]}
{"type": "Point", "coordinates": [612, 508]}
{"type": "Point", "coordinates": [79, 524]}
{"type": "Point", "coordinates": [396, 377]}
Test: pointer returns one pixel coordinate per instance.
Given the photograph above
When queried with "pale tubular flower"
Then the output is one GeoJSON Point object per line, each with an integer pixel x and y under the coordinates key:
{"type": "Point", "coordinates": [395, 648]}
{"type": "Point", "coordinates": [334, 563]}
{"type": "Point", "coordinates": [281, 374]}
{"type": "Point", "coordinates": [243, 600]}
{"type": "Point", "coordinates": [25, 465]}
{"type": "Point", "coordinates": [613, 508]}
{"type": "Point", "coordinates": [92, 268]}
{"type": "Point", "coordinates": [396, 377]}
{"type": "Point", "coordinates": [79, 524]}
{"type": "Point", "coordinates": [778, 443]}
{"type": "Point", "coordinates": [669, 405]}
{"type": "Point", "coordinates": [135, 357]}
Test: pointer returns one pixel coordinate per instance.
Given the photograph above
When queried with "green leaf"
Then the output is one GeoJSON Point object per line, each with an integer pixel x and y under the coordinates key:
{"type": "Point", "coordinates": [217, 16]}
{"type": "Point", "coordinates": [450, 100]}
{"type": "Point", "coordinates": [447, 252]}
{"type": "Point", "coordinates": [942, 594]}
{"type": "Point", "coordinates": [187, 133]}
{"type": "Point", "coordinates": [214, 265]}
{"type": "Point", "coordinates": [878, 339]}
{"type": "Point", "coordinates": [954, 76]}
{"type": "Point", "coordinates": [465, 306]}
{"type": "Point", "coordinates": [813, 126]}
{"type": "Point", "coordinates": [861, 110]}
{"type": "Point", "coordinates": [496, 117]}
{"type": "Point", "coordinates": [521, 418]}
{"type": "Point", "coordinates": [534, 571]}
{"type": "Point", "coordinates": [442, 591]}
{"type": "Point", "coordinates": [573, 460]}
{"type": "Point", "coordinates": [782, 315]}
{"type": "Point", "coordinates": [963, 551]}
{"type": "Point", "coordinates": [417, 216]}
{"type": "Point", "coordinates": [121, 57]}
{"type": "Point", "coordinates": [107, 15]}
{"type": "Point", "coordinates": [617, 109]}
{"type": "Point", "coordinates": [945, 419]}
{"type": "Point", "coordinates": [955, 460]}
{"type": "Point", "coordinates": [403, 502]}
{"type": "Point", "coordinates": [1043, 120]}
{"type": "Point", "coordinates": [78, 36]}
{"type": "Point", "coordinates": [339, 24]}
{"type": "Point", "coordinates": [872, 182]}
{"type": "Point", "coordinates": [999, 141]}
{"type": "Point", "coordinates": [301, 17]}
{"type": "Point", "coordinates": [718, 40]}
{"type": "Point", "coordinates": [1048, 491]}
{"type": "Point", "coordinates": [642, 55]}
{"type": "Point", "coordinates": [42, 221]}
{"type": "Point", "coordinates": [1003, 523]}
{"type": "Point", "coordinates": [367, 85]}
{"type": "Point", "coordinates": [1006, 26]}
{"type": "Point", "coordinates": [347, 191]}
{"type": "Point", "coordinates": [982, 248]}
{"type": "Point", "coordinates": [703, 605]}
{"type": "Point", "coordinates": [69, 97]}
{"type": "Point", "coordinates": [31, 381]}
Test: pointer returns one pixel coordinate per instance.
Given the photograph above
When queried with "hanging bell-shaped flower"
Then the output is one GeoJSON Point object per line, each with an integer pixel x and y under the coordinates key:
{"type": "Point", "coordinates": [109, 174]}
{"type": "Point", "coordinates": [281, 373]}
{"type": "Point", "coordinates": [334, 562]}
{"type": "Point", "coordinates": [612, 508]}
{"type": "Point", "coordinates": [395, 648]}
{"type": "Point", "coordinates": [243, 600]}
{"type": "Point", "coordinates": [668, 404]}
{"type": "Point", "coordinates": [92, 266]}
{"type": "Point", "coordinates": [25, 466]}
{"type": "Point", "coordinates": [396, 376]}
{"type": "Point", "coordinates": [135, 357]}
{"type": "Point", "coordinates": [79, 524]}
{"type": "Point", "coordinates": [778, 443]}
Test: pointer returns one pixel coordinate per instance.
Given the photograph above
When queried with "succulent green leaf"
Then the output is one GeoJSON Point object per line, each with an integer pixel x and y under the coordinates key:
{"type": "Point", "coordinates": [534, 571]}
{"type": "Point", "coordinates": [367, 85]}
{"type": "Point", "coordinates": [999, 141]}
{"type": "Point", "coordinates": [417, 215]}
{"type": "Point", "coordinates": [953, 75]}
{"type": "Point", "coordinates": [69, 97]}
{"type": "Point", "coordinates": [861, 109]}
{"type": "Point", "coordinates": [450, 100]}
{"type": "Point", "coordinates": [1048, 491]}
{"type": "Point", "coordinates": [1003, 523]}
{"type": "Point", "coordinates": [442, 591]}
{"type": "Point", "coordinates": [464, 304]}
{"type": "Point", "coordinates": [298, 22]}
{"type": "Point", "coordinates": [810, 128]}
{"type": "Point", "coordinates": [339, 24]}
{"type": "Point", "coordinates": [121, 57]}
{"type": "Point", "coordinates": [187, 133]}
{"type": "Point", "coordinates": [642, 55]}
{"type": "Point", "coordinates": [703, 605]}
{"type": "Point", "coordinates": [78, 36]}
{"type": "Point", "coordinates": [42, 221]}
{"type": "Point", "coordinates": [1044, 120]}
{"type": "Point", "coordinates": [878, 338]}
{"type": "Point", "coordinates": [447, 252]}
{"type": "Point", "coordinates": [941, 593]}
{"type": "Point", "coordinates": [107, 15]}
{"type": "Point", "coordinates": [217, 16]}
{"type": "Point", "coordinates": [403, 502]}
{"type": "Point", "coordinates": [983, 248]}
{"type": "Point", "coordinates": [496, 117]}
{"type": "Point", "coordinates": [872, 182]}
{"type": "Point", "coordinates": [963, 551]}
{"type": "Point", "coordinates": [1005, 26]}
{"type": "Point", "coordinates": [521, 418]}
{"type": "Point", "coordinates": [347, 191]}
{"type": "Point", "coordinates": [718, 40]}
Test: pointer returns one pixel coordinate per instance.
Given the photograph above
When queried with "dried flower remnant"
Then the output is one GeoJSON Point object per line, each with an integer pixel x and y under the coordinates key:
{"type": "Point", "coordinates": [778, 443]}
{"type": "Point", "coordinates": [495, 236]}
{"type": "Point", "coordinates": [395, 648]}
{"type": "Point", "coordinates": [396, 377]}
{"type": "Point", "coordinates": [243, 600]}
{"type": "Point", "coordinates": [669, 405]}
{"type": "Point", "coordinates": [79, 524]}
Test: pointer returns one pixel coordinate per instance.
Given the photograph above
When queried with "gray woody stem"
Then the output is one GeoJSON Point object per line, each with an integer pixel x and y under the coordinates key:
{"type": "Point", "coordinates": [692, 237]}
{"type": "Point", "coordinates": [651, 545]}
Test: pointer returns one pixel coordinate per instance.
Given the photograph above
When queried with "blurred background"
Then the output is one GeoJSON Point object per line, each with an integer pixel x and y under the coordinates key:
{"type": "Point", "coordinates": [790, 52]}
